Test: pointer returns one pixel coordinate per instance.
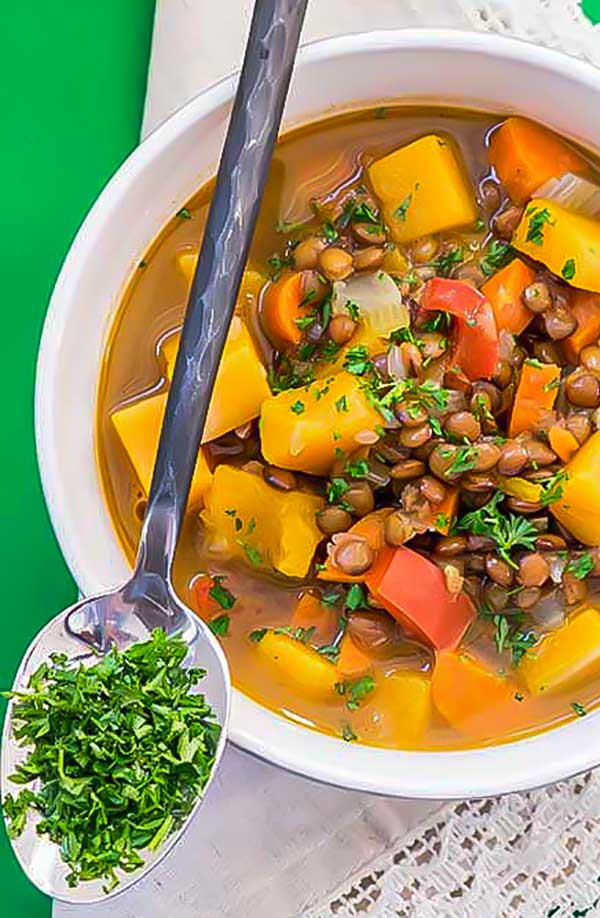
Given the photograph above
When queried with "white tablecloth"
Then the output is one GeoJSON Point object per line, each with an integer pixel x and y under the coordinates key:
{"type": "Point", "coordinates": [269, 844]}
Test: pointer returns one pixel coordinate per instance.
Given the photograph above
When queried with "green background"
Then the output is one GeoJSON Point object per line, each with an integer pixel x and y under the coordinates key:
{"type": "Point", "coordinates": [73, 75]}
{"type": "Point", "coordinates": [73, 78]}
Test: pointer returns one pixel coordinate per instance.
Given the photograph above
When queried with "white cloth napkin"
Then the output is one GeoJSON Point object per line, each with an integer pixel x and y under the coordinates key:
{"type": "Point", "coordinates": [268, 844]}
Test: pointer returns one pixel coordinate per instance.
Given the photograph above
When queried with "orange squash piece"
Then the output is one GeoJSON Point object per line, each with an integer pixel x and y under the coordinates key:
{"type": "Point", "coordinates": [525, 155]}
{"type": "Point", "coordinates": [309, 613]}
{"type": "Point", "coordinates": [352, 662]}
{"type": "Point", "coordinates": [504, 293]}
{"type": "Point", "coordinates": [476, 701]}
{"type": "Point", "coordinates": [562, 442]}
{"type": "Point", "coordinates": [370, 527]}
{"type": "Point", "coordinates": [585, 307]}
{"type": "Point", "coordinates": [444, 513]}
{"type": "Point", "coordinates": [535, 395]}
{"type": "Point", "coordinates": [281, 307]}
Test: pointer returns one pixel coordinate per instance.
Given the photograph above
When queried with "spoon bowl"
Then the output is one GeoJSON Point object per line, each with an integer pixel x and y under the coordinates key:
{"type": "Point", "coordinates": [84, 632]}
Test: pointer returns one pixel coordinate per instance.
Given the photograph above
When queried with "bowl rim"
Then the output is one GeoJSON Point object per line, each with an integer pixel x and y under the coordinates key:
{"type": "Point", "coordinates": [540, 759]}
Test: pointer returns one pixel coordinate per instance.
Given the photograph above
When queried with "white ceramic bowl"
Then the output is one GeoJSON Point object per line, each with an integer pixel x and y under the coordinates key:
{"type": "Point", "coordinates": [334, 75]}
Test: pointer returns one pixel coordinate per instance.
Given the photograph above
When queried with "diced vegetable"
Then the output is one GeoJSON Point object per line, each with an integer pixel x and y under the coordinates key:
{"type": "Point", "coordinates": [246, 517]}
{"type": "Point", "coordinates": [352, 662]}
{"type": "Point", "coordinates": [444, 513]}
{"type": "Point", "coordinates": [298, 666]}
{"type": "Point", "coordinates": [378, 300]}
{"type": "Point", "coordinates": [394, 262]}
{"type": "Point", "coordinates": [475, 336]}
{"type": "Point", "coordinates": [302, 428]}
{"type": "Point", "coordinates": [504, 292]}
{"type": "Point", "coordinates": [282, 306]}
{"type": "Point", "coordinates": [519, 487]}
{"type": "Point", "coordinates": [562, 442]}
{"type": "Point", "coordinates": [400, 707]}
{"type": "Point", "coordinates": [573, 192]}
{"type": "Point", "coordinates": [535, 395]}
{"type": "Point", "coordinates": [240, 371]}
{"type": "Point", "coordinates": [525, 155]}
{"type": "Point", "coordinates": [423, 189]}
{"type": "Point", "coordinates": [371, 527]}
{"type": "Point", "coordinates": [476, 700]}
{"type": "Point", "coordinates": [579, 507]}
{"type": "Point", "coordinates": [313, 615]}
{"type": "Point", "coordinates": [567, 243]}
{"type": "Point", "coordinates": [585, 307]}
{"type": "Point", "coordinates": [413, 590]}
{"type": "Point", "coordinates": [567, 657]}
{"type": "Point", "coordinates": [138, 426]}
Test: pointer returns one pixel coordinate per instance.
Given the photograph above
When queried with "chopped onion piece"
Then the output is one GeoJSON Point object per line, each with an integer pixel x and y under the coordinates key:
{"type": "Point", "coordinates": [573, 192]}
{"type": "Point", "coordinates": [378, 299]}
{"type": "Point", "coordinates": [395, 363]}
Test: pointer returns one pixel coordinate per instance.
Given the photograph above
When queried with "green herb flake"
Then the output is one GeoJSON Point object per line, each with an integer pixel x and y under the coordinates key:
{"type": "Point", "coordinates": [445, 264]}
{"type": "Point", "coordinates": [348, 734]}
{"type": "Point", "coordinates": [355, 598]}
{"type": "Point", "coordinates": [222, 595]}
{"type": "Point", "coordinates": [442, 520]}
{"type": "Point", "coordinates": [401, 211]}
{"type": "Point", "coordinates": [220, 625]}
{"type": "Point", "coordinates": [353, 310]}
{"type": "Point", "coordinates": [336, 488]}
{"type": "Point", "coordinates": [498, 255]}
{"type": "Point", "coordinates": [257, 635]}
{"type": "Point", "coordinates": [357, 360]}
{"type": "Point", "coordinates": [184, 214]}
{"type": "Point", "coordinates": [298, 407]}
{"type": "Point", "coordinates": [579, 709]}
{"type": "Point", "coordinates": [252, 553]}
{"type": "Point", "coordinates": [330, 234]}
{"type": "Point", "coordinates": [537, 220]}
{"type": "Point", "coordinates": [581, 567]}
{"type": "Point", "coordinates": [508, 531]}
{"type": "Point", "coordinates": [342, 404]}
{"type": "Point", "coordinates": [355, 690]}
{"type": "Point", "coordinates": [357, 469]}
{"type": "Point", "coordinates": [568, 269]}
{"type": "Point", "coordinates": [142, 263]}
{"type": "Point", "coordinates": [121, 751]}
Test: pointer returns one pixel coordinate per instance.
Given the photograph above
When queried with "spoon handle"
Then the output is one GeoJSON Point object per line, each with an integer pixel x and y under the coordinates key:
{"type": "Point", "coordinates": [251, 136]}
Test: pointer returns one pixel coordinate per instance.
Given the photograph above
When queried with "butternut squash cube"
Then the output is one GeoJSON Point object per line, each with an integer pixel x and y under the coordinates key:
{"type": "Point", "coordinates": [566, 242]}
{"type": "Point", "coordinates": [567, 657]}
{"type": "Point", "coordinates": [138, 427]}
{"type": "Point", "coordinates": [302, 428]}
{"type": "Point", "coordinates": [579, 505]}
{"type": "Point", "coordinates": [404, 699]}
{"type": "Point", "coordinates": [248, 518]}
{"type": "Point", "coordinates": [299, 666]}
{"type": "Point", "coordinates": [423, 189]}
{"type": "Point", "coordinates": [241, 385]}
{"type": "Point", "coordinates": [252, 281]}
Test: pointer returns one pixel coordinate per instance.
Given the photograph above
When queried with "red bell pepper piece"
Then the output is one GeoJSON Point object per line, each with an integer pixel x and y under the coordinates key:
{"type": "Point", "coordinates": [476, 347]}
{"type": "Point", "coordinates": [413, 590]}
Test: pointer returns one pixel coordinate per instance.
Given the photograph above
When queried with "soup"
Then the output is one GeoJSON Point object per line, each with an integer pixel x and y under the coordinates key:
{"type": "Point", "coordinates": [394, 518]}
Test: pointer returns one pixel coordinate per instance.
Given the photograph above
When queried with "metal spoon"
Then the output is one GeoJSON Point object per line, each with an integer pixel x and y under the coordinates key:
{"type": "Point", "coordinates": [148, 600]}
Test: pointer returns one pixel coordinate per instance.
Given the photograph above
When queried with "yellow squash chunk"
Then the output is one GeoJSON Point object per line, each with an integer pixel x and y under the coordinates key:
{"type": "Point", "coordinates": [241, 385]}
{"type": "Point", "coordinates": [423, 189]}
{"type": "Point", "coordinates": [138, 427]}
{"type": "Point", "coordinates": [301, 428]}
{"type": "Point", "coordinates": [248, 518]}
{"type": "Point", "coordinates": [299, 666]}
{"type": "Point", "coordinates": [403, 700]}
{"type": "Point", "coordinates": [252, 281]}
{"type": "Point", "coordinates": [579, 506]}
{"type": "Point", "coordinates": [567, 657]}
{"type": "Point", "coordinates": [566, 242]}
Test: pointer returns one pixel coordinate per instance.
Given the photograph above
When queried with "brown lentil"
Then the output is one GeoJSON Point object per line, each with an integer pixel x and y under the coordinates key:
{"type": "Point", "coordinates": [415, 436]}
{"type": "Point", "coordinates": [432, 489]}
{"type": "Point", "coordinates": [498, 571]}
{"type": "Point", "coordinates": [513, 458]}
{"type": "Point", "coordinates": [533, 570]}
{"type": "Point", "coordinates": [368, 233]}
{"type": "Point", "coordinates": [306, 253]}
{"type": "Point", "coordinates": [398, 528]}
{"type": "Point", "coordinates": [353, 556]}
{"type": "Point", "coordinates": [279, 478]}
{"type": "Point", "coordinates": [407, 469]}
{"type": "Point", "coordinates": [506, 222]}
{"type": "Point", "coordinates": [583, 390]}
{"type": "Point", "coordinates": [537, 297]}
{"type": "Point", "coordinates": [528, 597]}
{"type": "Point", "coordinates": [335, 263]}
{"type": "Point", "coordinates": [590, 358]}
{"type": "Point", "coordinates": [341, 329]}
{"type": "Point", "coordinates": [359, 497]}
{"type": "Point", "coordinates": [451, 546]}
{"type": "Point", "coordinates": [369, 258]}
{"type": "Point", "coordinates": [487, 456]}
{"type": "Point", "coordinates": [559, 323]}
{"type": "Point", "coordinates": [463, 424]}
{"type": "Point", "coordinates": [574, 590]}
{"type": "Point", "coordinates": [333, 519]}
{"type": "Point", "coordinates": [424, 250]}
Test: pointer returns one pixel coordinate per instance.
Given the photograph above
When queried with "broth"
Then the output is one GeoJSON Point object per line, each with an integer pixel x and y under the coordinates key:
{"type": "Point", "coordinates": [310, 164]}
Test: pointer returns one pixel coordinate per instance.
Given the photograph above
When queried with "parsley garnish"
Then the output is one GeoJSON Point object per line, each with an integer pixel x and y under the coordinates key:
{"type": "Point", "coordinates": [507, 531]}
{"type": "Point", "coordinates": [348, 734]}
{"type": "Point", "coordinates": [357, 360]}
{"type": "Point", "coordinates": [356, 690]}
{"type": "Point", "coordinates": [465, 460]}
{"type": "Point", "coordinates": [400, 212]}
{"type": "Point", "coordinates": [184, 214]}
{"type": "Point", "coordinates": [222, 595]}
{"type": "Point", "coordinates": [552, 488]}
{"type": "Point", "coordinates": [257, 635]}
{"type": "Point", "coordinates": [352, 310]}
{"type": "Point", "coordinates": [252, 553]}
{"type": "Point", "coordinates": [330, 234]}
{"type": "Point", "coordinates": [358, 469]}
{"type": "Point", "coordinates": [342, 404]}
{"type": "Point", "coordinates": [512, 637]}
{"type": "Point", "coordinates": [445, 264]}
{"type": "Point", "coordinates": [568, 269]}
{"type": "Point", "coordinates": [579, 709]}
{"type": "Point", "coordinates": [297, 407]}
{"type": "Point", "coordinates": [220, 625]}
{"type": "Point", "coordinates": [336, 488]}
{"type": "Point", "coordinates": [498, 255]}
{"type": "Point", "coordinates": [581, 567]}
{"type": "Point", "coordinates": [121, 749]}
{"type": "Point", "coordinates": [355, 598]}
{"type": "Point", "coordinates": [535, 231]}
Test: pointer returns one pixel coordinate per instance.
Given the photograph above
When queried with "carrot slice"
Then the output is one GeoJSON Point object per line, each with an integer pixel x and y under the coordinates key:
{"type": "Point", "coordinates": [536, 394]}
{"type": "Point", "coordinates": [310, 612]}
{"type": "Point", "coordinates": [585, 307]}
{"type": "Point", "coordinates": [562, 442]}
{"type": "Point", "coordinates": [352, 662]}
{"type": "Point", "coordinates": [371, 527]}
{"type": "Point", "coordinates": [525, 155]}
{"type": "Point", "coordinates": [281, 307]}
{"type": "Point", "coordinates": [504, 293]}
{"type": "Point", "coordinates": [445, 512]}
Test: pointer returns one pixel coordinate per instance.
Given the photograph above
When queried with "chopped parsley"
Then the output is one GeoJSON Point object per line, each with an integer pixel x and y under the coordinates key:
{"type": "Point", "coordinates": [579, 709]}
{"type": "Point", "coordinates": [352, 310]}
{"type": "Point", "coordinates": [465, 460]}
{"type": "Point", "coordinates": [298, 407]}
{"type": "Point", "coordinates": [552, 488]}
{"type": "Point", "coordinates": [222, 595]}
{"type": "Point", "coordinates": [348, 734]}
{"type": "Point", "coordinates": [252, 553]}
{"type": "Point", "coordinates": [184, 214]}
{"type": "Point", "coordinates": [330, 234]}
{"type": "Point", "coordinates": [277, 263]}
{"type": "Point", "coordinates": [537, 220]}
{"type": "Point", "coordinates": [336, 488]}
{"type": "Point", "coordinates": [257, 635]}
{"type": "Point", "coordinates": [568, 269]}
{"type": "Point", "coordinates": [511, 637]}
{"type": "Point", "coordinates": [356, 690]}
{"type": "Point", "coordinates": [357, 360]}
{"type": "Point", "coordinates": [507, 531]}
{"type": "Point", "coordinates": [498, 255]}
{"type": "Point", "coordinates": [581, 567]}
{"type": "Point", "coordinates": [445, 264]}
{"type": "Point", "coordinates": [355, 598]}
{"type": "Point", "coordinates": [342, 404]}
{"type": "Point", "coordinates": [357, 469]}
{"type": "Point", "coordinates": [401, 211]}
{"type": "Point", "coordinates": [220, 625]}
